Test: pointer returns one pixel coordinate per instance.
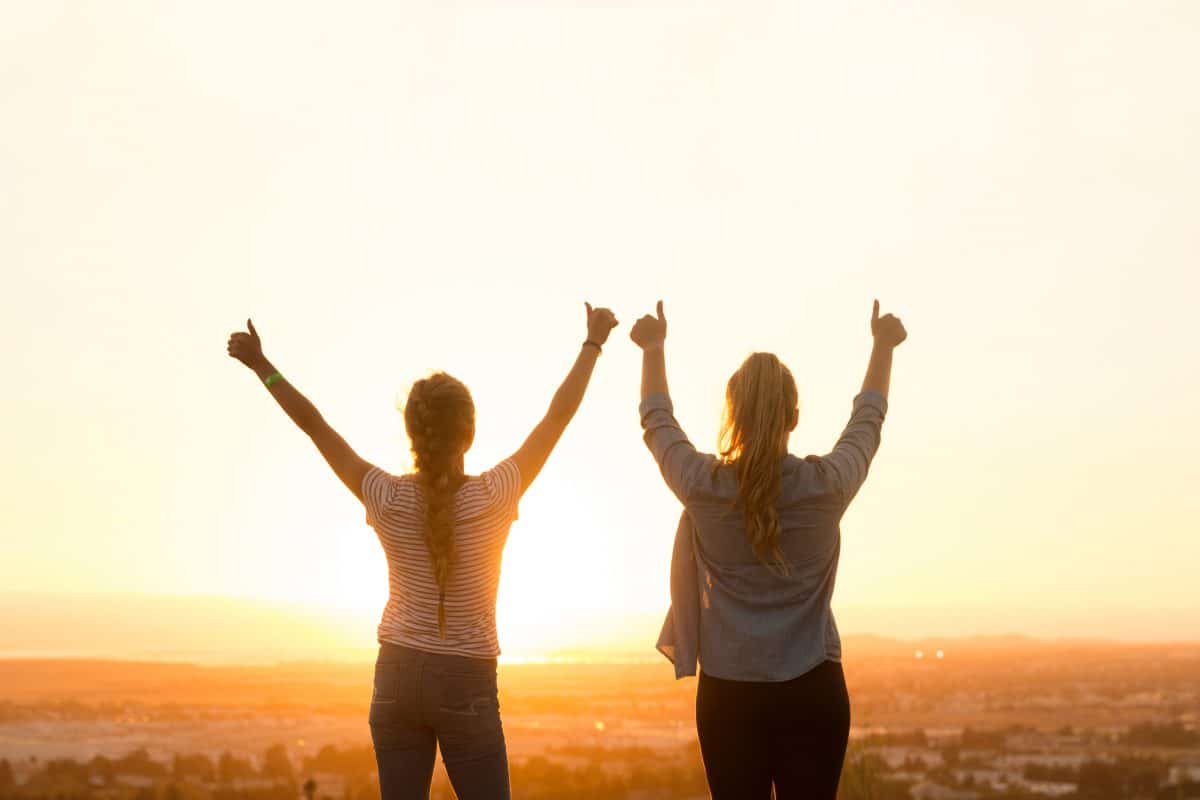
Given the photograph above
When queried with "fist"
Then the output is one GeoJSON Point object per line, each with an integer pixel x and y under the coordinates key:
{"type": "Point", "coordinates": [246, 347]}
{"type": "Point", "coordinates": [600, 322]}
{"type": "Point", "coordinates": [888, 330]}
{"type": "Point", "coordinates": [650, 331]}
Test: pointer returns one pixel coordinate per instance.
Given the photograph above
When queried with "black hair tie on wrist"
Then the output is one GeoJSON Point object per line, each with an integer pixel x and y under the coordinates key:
{"type": "Point", "coordinates": [593, 344]}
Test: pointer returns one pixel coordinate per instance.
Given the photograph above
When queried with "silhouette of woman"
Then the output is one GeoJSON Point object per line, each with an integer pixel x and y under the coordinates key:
{"type": "Point", "coordinates": [443, 533]}
{"type": "Point", "coordinates": [753, 570]}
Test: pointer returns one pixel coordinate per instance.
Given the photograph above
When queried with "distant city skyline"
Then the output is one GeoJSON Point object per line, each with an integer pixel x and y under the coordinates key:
{"type": "Point", "coordinates": [1047, 719]}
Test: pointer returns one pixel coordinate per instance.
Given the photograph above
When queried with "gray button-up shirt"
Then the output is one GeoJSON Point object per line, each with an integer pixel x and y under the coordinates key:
{"type": "Point", "coordinates": [740, 619]}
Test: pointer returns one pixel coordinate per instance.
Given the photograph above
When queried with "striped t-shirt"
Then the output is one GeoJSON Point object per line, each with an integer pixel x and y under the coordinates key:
{"type": "Point", "coordinates": [484, 509]}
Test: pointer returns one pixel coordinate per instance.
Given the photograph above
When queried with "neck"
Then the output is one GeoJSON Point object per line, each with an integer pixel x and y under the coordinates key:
{"type": "Point", "coordinates": [456, 466]}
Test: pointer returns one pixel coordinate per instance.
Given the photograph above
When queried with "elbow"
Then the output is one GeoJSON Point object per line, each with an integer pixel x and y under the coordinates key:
{"type": "Point", "coordinates": [562, 409]}
{"type": "Point", "coordinates": [559, 415]}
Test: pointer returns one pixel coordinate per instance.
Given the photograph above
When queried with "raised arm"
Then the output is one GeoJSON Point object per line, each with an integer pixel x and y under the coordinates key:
{"type": "Point", "coordinates": [246, 347]}
{"type": "Point", "coordinates": [541, 441]}
{"type": "Point", "coordinates": [682, 466]}
{"type": "Point", "coordinates": [856, 447]}
{"type": "Point", "coordinates": [888, 332]}
{"type": "Point", "coordinates": [650, 334]}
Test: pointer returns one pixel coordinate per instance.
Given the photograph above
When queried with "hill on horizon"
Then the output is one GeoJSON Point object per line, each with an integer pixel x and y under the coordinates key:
{"type": "Point", "coordinates": [208, 629]}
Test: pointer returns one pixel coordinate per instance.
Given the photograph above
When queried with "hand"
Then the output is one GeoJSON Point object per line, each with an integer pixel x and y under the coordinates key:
{"type": "Point", "coordinates": [246, 347]}
{"type": "Point", "coordinates": [888, 330]}
{"type": "Point", "coordinates": [650, 332]}
{"type": "Point", "coordinates": [600, 322]}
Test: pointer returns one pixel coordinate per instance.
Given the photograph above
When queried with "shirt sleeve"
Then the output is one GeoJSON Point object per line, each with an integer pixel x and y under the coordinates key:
{"type": "Point", "coordinates": [376, 494]}
{"type": "Point", "coordinates": [851, 456]}
{"type": "Point", "coordinates": [503, 483]}
{"type": "Point", "coordinates": [682, 467]}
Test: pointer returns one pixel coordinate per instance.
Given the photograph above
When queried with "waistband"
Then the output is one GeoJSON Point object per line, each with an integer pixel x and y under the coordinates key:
{"type": "Point", "coordinates": [392, 653]}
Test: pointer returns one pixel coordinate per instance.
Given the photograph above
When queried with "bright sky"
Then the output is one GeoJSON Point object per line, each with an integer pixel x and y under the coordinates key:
{"type": "Point", "coordinates": [394, 188]}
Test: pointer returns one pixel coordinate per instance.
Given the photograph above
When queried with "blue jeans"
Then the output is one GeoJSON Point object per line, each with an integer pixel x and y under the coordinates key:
{"type": "Point", "coordinates": [426, 700]}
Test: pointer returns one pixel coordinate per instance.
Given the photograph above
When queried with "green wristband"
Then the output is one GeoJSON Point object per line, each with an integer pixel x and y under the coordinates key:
{"type": "Point", "coordinates": [272, 378]}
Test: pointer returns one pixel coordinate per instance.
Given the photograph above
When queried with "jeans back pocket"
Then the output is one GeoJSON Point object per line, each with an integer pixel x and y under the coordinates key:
{"type": "Point", "coordinates": [386, 687]}
{"type": "Point", "coordinates": [468, 702]}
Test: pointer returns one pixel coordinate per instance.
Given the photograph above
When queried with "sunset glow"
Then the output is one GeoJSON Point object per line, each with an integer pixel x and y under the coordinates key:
{"type": "Point", "coordinates": [424, 187]}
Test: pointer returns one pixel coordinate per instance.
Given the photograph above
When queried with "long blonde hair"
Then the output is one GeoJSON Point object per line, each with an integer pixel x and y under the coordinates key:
{"type": "Point", "coordinates": [440, 419]}
{"type": "Point", "coordinates": [760, 406]}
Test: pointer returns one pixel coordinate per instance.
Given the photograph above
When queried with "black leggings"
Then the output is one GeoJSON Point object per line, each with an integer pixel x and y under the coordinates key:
{"type": "Point", "coordinates": [791, 734]}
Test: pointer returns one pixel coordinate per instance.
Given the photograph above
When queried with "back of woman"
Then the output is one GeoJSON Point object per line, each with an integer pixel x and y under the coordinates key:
{"type": "Point", "coordinates": [435, 677]}
{"type": "Point", "coordinates": [443, 533]}
{"type": "Point", "coordinates": [483, 510]}
{"type": "Point", "coordinates": [766, 621]}
{"type": "Point", "coordinates": [768, 608]}
{"type": "Point", "coordinates": [754, 567]}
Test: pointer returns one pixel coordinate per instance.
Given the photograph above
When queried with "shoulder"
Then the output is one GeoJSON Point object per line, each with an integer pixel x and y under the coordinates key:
{"type": "Point", "coordinates": [810, 474]}
{"type": "Point", "coordinates": [500, 486]}
{"type": "Point", "coordinates": [405, 480]}
{"type": "Point", "coordinates": [712, 480]}
{"type": "Point", "coordinates": [384, 493]}
{"type": "Point", "coordinates": [502, 480]}
{"type": "Point", "coordinates": [385, 488]}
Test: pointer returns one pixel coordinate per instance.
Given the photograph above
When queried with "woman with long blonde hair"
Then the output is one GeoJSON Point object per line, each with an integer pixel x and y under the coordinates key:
{"type": "Point", "coordinates": [753, 570]}
{"type": "Point", "coordinates": [443, 533]}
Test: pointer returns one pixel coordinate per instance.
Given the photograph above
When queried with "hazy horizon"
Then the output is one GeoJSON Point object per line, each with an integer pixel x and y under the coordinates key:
{"type": "Point", "coordinates": [196, 629]}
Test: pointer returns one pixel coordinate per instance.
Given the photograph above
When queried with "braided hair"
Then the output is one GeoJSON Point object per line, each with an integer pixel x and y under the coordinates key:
{"type": "Point", "coordinates": [440, 419]}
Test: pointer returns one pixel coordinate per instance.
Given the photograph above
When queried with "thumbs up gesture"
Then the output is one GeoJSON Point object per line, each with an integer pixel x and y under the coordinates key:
{"type": "Point", "coordinates": [888, 330]}
{"type": "Point", "coordinates": [650, 331]}
{"type": "Point", "coordinates": [600, 322]}
{"type": "Point", "coordinates": [246, 347]}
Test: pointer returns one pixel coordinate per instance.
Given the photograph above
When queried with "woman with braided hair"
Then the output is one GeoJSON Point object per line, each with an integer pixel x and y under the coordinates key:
{"type": "Point", "coordinates": [443, 533]}
{"type": "Point", "coordinates": [753, 568]}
